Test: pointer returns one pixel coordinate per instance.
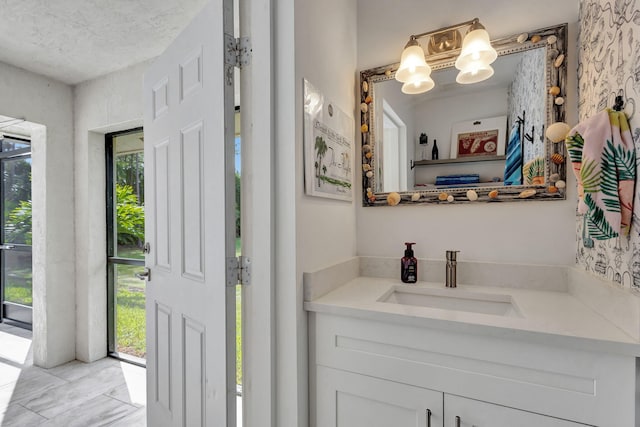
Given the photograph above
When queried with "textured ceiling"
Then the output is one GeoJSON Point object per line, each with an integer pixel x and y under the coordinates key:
{"type": "Point", "coordinates": [77, 40]}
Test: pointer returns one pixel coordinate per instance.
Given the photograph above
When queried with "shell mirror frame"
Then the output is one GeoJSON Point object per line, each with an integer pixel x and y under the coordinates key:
{"type": "Point", "coordinates": [543, 178]}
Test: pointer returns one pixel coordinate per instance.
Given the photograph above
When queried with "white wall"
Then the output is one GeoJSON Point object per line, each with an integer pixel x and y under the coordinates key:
{"type": "Point", "coordinates": [436, 118]}
{"type": "Point", "coordinates": [325, 55]}
{"type": "Point", "coordinates": [49, 103]}
{"type": "Point", "coordinates": [531, 232]}
{"type": "Point", "coordinates": [107, 104]}
{"type": "Point", "coordinates": [316, 41]}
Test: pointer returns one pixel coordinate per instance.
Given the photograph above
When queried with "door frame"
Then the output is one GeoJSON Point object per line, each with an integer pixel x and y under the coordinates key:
{"type": "Point", "coordinates": [257, 80]}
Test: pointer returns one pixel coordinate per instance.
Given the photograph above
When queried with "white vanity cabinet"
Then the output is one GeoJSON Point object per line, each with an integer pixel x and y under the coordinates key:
{"type": "Point", "coordinates": [387, 372]}
{"type": "Point", "coordinates": [463, 412]}
{"type": "Point", "coordinates": [352, 400]}
{"type": "Point", "coordinates": [345, 399]}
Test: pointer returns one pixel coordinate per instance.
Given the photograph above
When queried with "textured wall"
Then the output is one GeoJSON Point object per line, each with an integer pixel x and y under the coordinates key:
{"type": "Point", "coordinates": [48, 103]}
{"type": "Point", "coordinates": [107, 104]}
{"type": "Point", "coordinates": [527, 93]}
{"type": "Point", "coordinates": [609, 47]}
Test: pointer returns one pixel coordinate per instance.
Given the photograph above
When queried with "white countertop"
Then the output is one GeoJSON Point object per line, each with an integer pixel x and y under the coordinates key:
{"type": "Point", "coordinates": [546, 316]}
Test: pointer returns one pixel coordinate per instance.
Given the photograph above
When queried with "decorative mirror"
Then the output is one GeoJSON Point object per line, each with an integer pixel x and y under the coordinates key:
{"type": "Point", "coordinates": [456, 142]}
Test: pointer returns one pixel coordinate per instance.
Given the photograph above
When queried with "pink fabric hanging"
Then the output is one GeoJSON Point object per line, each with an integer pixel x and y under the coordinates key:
{"type": "Point", "coordinates": [604, 161]}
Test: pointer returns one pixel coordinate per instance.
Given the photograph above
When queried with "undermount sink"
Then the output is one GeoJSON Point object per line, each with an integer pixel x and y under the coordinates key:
{"type": "Point", "coordinates": [453, 299]}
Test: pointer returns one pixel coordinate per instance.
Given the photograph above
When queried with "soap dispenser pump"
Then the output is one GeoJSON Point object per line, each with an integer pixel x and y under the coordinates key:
{"type": "Point", "coordinates": [409, 265]}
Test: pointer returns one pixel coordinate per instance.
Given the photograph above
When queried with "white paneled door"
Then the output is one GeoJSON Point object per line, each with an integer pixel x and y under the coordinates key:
{"type": "Point", "coordinates": [188, 132]}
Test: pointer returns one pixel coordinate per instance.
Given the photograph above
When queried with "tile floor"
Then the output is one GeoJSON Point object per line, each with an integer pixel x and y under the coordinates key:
{"type": "Point", "coordinates": [104, 393]}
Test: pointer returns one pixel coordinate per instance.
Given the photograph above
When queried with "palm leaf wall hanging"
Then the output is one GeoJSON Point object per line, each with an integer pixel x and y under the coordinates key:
{"type": "Point", "coordinates": [599, 227]}
{"type": "Point", "coordinates": [590, 176]}
{"type": "Point", "coordinates": [609, 185]}
{"type": "Point", "coordinates": [575, 144]}
{"type": "Point", "coordinates": [625, 162]}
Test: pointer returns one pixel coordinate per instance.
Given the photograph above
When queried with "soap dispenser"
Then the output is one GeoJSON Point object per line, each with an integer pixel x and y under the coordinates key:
{"type": "Point", "coordinates": [409, 265]}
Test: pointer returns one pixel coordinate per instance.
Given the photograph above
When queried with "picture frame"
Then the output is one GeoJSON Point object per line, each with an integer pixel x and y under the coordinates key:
{"type": "Point", "coordinates": [479, 138]}
{"type": "Point", "coordinates": [328, 147]}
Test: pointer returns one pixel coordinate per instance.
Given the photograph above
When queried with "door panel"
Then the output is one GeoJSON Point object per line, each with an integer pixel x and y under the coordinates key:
{"type": "Point", "coordinates": [190, 311]}
{"type": "Point", "coordinates": [160, 208]}
{"type": "Point", "coordinates": [192, 203]}
{"type": "Point", "coordinates": [194, 390]}
{"type": "Point", "coordinates": [162, 339]}
{"type": "Point", "coordinates": [191, 74]}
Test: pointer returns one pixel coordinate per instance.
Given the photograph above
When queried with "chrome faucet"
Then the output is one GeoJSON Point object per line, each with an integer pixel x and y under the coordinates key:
{"type": "Point", "coordinates": [451, 269]}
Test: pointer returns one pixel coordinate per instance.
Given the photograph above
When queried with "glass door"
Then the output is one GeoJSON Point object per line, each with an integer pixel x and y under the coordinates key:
{"type": "Point", "coordinates": [125, 241]}
{"type": "Point", "coordinates": [15, 234]}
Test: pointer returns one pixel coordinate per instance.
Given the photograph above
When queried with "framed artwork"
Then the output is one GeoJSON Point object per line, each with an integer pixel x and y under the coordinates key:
{"type": "Point", "coordinates": [479, 138]}
{"type": "Point", "coordinates": [328, 147]}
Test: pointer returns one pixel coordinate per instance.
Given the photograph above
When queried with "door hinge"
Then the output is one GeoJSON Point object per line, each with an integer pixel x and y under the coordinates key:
{"type": "Point", "coordinates": [237, 51]}
{"type": "Point", "coordinates": [238, 271]}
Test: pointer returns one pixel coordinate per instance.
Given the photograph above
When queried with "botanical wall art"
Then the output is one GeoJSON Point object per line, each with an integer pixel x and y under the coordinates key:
{"type": "Point", "coordinates": [609, 48]}
{"type": "Point", "coordinates": [328, 144]}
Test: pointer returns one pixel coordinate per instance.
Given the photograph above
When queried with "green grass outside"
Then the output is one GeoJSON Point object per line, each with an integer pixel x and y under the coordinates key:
{"type": "Point", "coordinates": [18, 294]}
{"type": "Point", "coordinates": [18, 288]}
{"type": "Point", "coordinates": [130, 322]}
{"type": "Point", "coordinates": [130, 311]}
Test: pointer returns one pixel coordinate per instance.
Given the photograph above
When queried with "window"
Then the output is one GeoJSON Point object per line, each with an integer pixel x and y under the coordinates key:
{"type": "Point", "coordinates": [15, 231]}
{"type": "Point", "coordinates": [125, 242]}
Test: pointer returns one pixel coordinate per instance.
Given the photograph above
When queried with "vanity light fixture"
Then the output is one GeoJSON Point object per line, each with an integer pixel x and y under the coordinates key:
{"type": "Point", "coordinates": [474, 61]}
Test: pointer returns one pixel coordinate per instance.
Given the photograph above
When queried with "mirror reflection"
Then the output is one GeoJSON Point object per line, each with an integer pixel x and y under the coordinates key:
{"type": "Point", "coordinates": [424, 123]}
{"type": "Point", "coordinates": [455, 136]}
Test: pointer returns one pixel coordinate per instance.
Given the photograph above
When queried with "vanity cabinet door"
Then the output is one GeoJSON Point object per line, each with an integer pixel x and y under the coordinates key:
{"type": "Point", "coordinates": [474, 413]}
{"type": "Point", "coordinates": [351, 400]}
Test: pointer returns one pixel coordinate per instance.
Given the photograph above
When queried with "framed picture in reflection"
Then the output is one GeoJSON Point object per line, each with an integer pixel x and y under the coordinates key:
{"type": "Point", "coordinates": [479, 138]}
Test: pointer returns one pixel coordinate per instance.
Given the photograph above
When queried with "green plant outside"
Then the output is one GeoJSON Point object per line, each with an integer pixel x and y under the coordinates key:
{"type": "Point", "coordinates": [130, 216]}
{"type": "Point", "coordinates": [17, 226]}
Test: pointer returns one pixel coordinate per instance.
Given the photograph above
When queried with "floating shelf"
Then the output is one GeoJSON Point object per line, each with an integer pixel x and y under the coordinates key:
{"type": "Point", "coordinates": [460, 160]}
{"type": "Point", "coordinates": [424, 187]}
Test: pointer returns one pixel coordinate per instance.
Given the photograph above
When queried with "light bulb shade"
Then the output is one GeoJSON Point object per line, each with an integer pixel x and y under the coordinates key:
{"type": "Point", "coordinates": [476, 46]}
{"type": "Point", "coordinates": [474, 73]}
{"type": "Point", "coordinates": [418, 85]}
{"type": "Point", "coordinates": [413, 64]}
